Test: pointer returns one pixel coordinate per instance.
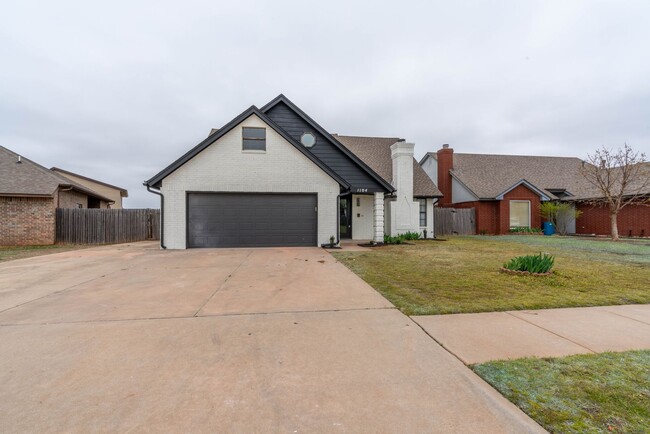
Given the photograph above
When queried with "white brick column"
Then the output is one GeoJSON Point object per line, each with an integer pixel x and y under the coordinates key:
{"type": "Point", "coordinates": [378, 218]}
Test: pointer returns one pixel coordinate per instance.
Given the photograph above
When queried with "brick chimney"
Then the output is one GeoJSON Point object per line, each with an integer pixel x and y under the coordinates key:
{"type": "Point", "coordinates": [445, 158]}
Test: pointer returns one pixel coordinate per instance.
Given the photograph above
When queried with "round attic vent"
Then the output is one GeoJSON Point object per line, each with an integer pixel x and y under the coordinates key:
{"type": "Point", "coordinates": [308, 140]}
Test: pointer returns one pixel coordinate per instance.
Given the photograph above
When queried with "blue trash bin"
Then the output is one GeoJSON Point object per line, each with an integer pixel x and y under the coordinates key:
{"type": "Point", "coordinates": [549, 228]}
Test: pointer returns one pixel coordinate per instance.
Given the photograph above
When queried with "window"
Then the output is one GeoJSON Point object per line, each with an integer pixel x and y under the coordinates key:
{"type": "Point", "coordinates": [79, 205]}
{"type": "Point", "coordinates": [253, 139]}
{"type": "Point", "coordinates": [308, 140]}
{"type": "Point", "coordinates": [520, 213]}
{"type": "Point", "coordinates": [423, 213]}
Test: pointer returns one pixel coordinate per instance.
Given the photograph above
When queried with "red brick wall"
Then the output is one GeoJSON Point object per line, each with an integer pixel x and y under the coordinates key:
{"type": "Point", "coordinates": [71, 199]}
{"type": "Point", "coordinates": [493, 216]}
{"type": "Point", "coordinates": [520, 192]}
{"type": "Point", "coordinates": [445, 158]}
{"type": "Point", "coordinates": [595, 220]}
{"type": "Point", "coordinates": [486, 213]}
{"type": "Point", "coordinates": [27, 221]}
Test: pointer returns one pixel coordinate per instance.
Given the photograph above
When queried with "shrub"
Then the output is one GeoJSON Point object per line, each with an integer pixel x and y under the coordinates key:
{"type": "Point", "coordinates": [561, 214]}
{"type": "Point", "coordinates": [399, 239]}
{"type": "Point", "coordinates": [411, 236]}
{"type": "Point", "coordinates": [541, 263]}
{"type": "Point", "coordinates": [524, 230]}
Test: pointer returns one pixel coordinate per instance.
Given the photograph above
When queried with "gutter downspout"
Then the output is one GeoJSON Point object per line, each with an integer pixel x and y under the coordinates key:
{"type": "Point", "coordinates": [58, 197]}
{"type": "Point", "coordinates": [338, 219]}
{"type": "Point", "coordinates": [162, 215]}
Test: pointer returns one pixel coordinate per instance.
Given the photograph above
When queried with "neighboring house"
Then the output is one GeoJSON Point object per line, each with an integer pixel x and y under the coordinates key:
{"type": "Point", "coordinates": [107, 190]}
{"type": "Point", "coordinates": [507, 190]}
{"type": "Point", "coordinates": [29, 196]}
{"type": "Point", "coordinates": [274, 177]}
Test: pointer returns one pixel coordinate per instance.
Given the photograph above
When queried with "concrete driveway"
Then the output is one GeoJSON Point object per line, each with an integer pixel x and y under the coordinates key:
{"type": "Point", "coordinates": [131, 338]}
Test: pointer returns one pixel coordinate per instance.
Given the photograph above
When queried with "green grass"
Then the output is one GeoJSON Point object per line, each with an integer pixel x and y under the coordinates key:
{"type": "Point", "coordinates": [8, 253]}
{"type": "Point", "coordinates": [593, 393]}
{"type": "Point", "coordinates": [462, 274]}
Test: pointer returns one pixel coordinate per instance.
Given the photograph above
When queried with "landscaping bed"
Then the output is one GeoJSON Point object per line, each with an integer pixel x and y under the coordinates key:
{"type": "Point", "coordinates": [607, 392]}
{"type": "Point", "coordinates": [463, 274]}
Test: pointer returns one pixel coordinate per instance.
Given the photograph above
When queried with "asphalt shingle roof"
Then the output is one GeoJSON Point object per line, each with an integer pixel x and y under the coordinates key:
{"type": "Point", "coordinates": [489, 175]}
{"type": "Point", "coordinates": [31, 179]}
{"type": "Point", "coordinates": [375, 152]}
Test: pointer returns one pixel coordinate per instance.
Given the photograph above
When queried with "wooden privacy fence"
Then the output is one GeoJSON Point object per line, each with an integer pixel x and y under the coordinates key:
{"type": "Point", "coordinates": [452, 221]}
{"type": "Point", "coordinates": [106, 226]}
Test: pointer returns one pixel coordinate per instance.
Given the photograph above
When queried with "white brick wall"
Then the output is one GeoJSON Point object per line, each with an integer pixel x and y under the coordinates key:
{"type": "Point", "coordinates": [224, 167]}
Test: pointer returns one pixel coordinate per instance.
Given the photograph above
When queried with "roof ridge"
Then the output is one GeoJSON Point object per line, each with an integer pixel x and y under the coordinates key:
{"type": "Point", "coordinates": [513, 155]}
{"type": "Point", "coordinates": [366, 137]}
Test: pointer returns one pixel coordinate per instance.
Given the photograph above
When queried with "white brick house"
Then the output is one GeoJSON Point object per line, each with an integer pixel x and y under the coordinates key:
{"type": "Point", "coordinates": [274, 177]}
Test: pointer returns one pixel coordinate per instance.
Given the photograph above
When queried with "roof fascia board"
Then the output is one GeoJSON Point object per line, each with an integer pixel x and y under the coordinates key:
{"type": "Point", "coordinates": [252, 110]}
{"type": "Point", "coordinates": [27, 195]}
{"type": "Point", "coordinates": [427, 156]}
{"type": "Point", "coordinates": [541, 194]}
{"type": "Point", "coordinates": [64, 172]}
{"type": "Point", "coordinates": [281, 98]}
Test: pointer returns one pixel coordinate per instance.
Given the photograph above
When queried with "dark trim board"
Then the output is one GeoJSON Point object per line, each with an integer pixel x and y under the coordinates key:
{"type": "Point", "coordinates": [265, 229]}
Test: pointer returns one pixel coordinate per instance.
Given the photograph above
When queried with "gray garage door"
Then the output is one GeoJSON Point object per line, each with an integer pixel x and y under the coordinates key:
{"type": "Point", "coordinates": [251, 220]}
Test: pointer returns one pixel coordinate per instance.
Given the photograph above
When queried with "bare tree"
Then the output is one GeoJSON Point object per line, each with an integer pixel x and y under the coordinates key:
{"type": "Point", "coordinates": [621, 177]}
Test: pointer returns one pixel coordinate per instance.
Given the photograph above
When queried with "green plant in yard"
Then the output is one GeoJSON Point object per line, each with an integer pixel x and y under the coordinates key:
{"type": "Point", "coordinates": [524, 230]}
{"type": "Point", "coordinates": [410, 236]}
{"type": "Point", "coordinates": [399, 239]}
{"type": "Point", "coordinates": [539, 264]}
{"type": "Point", "coordinates": [561, 214]}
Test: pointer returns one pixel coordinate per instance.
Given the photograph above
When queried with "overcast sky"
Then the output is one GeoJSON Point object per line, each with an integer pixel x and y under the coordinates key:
{"type": "Point", "coordinates": [117, 90]}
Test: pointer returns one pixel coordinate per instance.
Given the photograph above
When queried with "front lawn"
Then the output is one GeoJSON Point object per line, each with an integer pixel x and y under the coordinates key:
{"type": "Point", "coordinates": [7, 253]}
{"type": "Point", "coordinates": [462, 274]}
{"type": "Point", "coordinates": [607, 392]}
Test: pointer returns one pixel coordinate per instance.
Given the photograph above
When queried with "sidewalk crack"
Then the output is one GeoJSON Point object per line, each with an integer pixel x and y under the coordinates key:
{"type": "Point", "coordinates": [222, 284]}
{"type": "Point", "coordinates": [552, 332]}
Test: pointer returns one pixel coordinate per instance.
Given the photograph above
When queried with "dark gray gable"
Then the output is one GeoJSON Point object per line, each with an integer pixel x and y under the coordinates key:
{"type": "Point", "coordinates": [327, 149]}
{"type": "Point", "coordinates": [157, 179]}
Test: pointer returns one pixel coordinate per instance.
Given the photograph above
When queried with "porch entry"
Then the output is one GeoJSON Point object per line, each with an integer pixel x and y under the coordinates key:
{"type": "Point", "coordinates": [345, 216]}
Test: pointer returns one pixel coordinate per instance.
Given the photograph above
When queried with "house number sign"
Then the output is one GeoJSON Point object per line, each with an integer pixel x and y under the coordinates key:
{"type": "Point", "coordinates": [362, 190]}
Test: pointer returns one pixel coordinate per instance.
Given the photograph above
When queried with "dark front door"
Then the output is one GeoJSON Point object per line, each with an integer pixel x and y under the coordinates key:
{"type": "Point", "coordinates": [345, 218]}
{"type": "Point", "coordinates": [251, 220]}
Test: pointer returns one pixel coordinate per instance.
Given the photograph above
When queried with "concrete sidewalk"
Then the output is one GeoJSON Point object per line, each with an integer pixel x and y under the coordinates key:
{"type": "Point", "coordinates": [480, 337]}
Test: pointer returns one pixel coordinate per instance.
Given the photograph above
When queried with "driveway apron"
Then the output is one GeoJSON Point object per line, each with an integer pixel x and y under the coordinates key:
{"type": "Point", "coordinates": [223, 340]}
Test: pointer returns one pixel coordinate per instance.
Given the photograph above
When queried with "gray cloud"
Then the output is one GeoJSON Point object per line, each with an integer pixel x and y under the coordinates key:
{"type": "Point", "coordinates": [118, 90]}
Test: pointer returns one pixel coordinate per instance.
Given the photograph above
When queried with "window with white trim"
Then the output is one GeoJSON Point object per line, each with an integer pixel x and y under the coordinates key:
{"type": "Point", "coordinates": [253, 139]}
{"type": "Point", "coordinates": [423, 212]}
{"type": "Point", "coordinates": [520, 213]}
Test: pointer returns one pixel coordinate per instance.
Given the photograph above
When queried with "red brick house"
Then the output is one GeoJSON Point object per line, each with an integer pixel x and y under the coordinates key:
{"type": "Point", "coordinates": [29, 196]}
{"type": "Point", "coordinates": [507, 190]}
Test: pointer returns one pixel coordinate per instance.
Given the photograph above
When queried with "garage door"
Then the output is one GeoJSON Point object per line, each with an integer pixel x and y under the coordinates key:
{"type": "Point", "coordinates": [251, 220]}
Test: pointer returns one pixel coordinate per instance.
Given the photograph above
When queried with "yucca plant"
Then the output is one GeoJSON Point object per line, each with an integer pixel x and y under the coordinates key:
{"type": "Point", "coordinates": [539, 264]}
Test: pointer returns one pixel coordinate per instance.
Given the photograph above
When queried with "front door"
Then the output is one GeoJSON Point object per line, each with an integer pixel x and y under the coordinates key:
{"type": "Point", "coordinates": [345, 217]}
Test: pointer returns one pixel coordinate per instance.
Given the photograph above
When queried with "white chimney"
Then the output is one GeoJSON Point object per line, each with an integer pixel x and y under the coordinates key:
{"type": "Point", "coordinates": [402, 155]}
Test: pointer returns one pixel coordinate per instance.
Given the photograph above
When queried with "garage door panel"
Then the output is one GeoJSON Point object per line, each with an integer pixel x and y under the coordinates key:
{"type": "Point", "coordinates": [251, 220]}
